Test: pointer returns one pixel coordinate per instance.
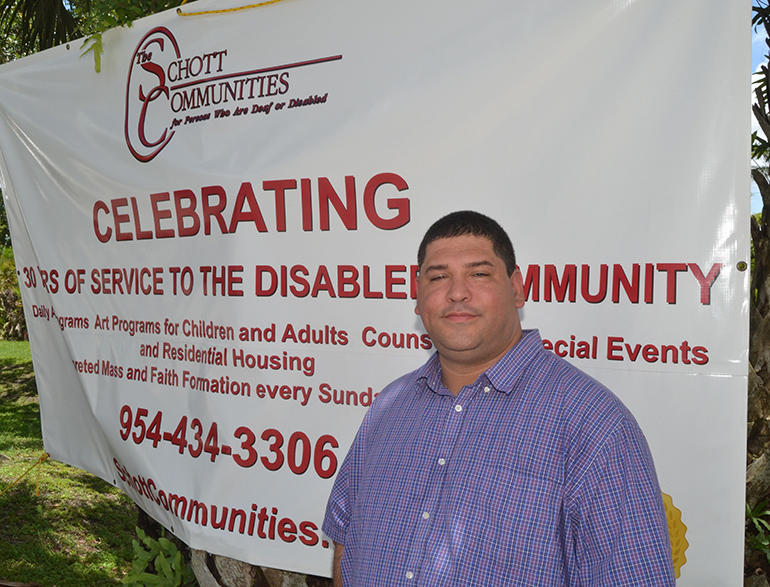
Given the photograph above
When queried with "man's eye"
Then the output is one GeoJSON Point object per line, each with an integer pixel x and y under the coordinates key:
{"type": "Point", "coordinates": [437, 277]}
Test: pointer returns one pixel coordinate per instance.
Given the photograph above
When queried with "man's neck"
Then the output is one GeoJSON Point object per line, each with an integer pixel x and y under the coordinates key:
{"type": "Point", "coordinates": [456, 374]}
{"type": "Point", "coordinates": [454, 381]}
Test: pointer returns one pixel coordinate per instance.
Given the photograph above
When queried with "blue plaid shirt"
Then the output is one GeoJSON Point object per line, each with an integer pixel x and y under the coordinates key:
{"type": "Point", "coordinates": [534, 475]}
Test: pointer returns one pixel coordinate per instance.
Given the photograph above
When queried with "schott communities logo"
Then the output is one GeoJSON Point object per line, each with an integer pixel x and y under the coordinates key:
{"type": "Point", "coordinates": [166, 91]}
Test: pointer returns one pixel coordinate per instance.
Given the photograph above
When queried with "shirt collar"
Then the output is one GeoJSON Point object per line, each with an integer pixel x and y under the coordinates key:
{"type": "Point", "coordinates": [503, 375]}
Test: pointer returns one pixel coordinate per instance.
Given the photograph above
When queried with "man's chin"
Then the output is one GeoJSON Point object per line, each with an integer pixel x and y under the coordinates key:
{"type": "Point", "coordinates": [458, 349]}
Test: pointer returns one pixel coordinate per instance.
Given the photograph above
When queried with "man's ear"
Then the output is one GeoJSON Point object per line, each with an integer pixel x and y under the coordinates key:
{"type": "Point", "coordinates": [517, 281]}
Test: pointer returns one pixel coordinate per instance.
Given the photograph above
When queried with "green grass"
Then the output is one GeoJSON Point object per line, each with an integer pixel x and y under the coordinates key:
{"type": "Point", "coordinates": [77, 532]}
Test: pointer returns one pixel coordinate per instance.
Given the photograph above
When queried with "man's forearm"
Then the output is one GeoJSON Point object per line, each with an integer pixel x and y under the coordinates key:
{"type": "Point", "coordinates": [337, 569]}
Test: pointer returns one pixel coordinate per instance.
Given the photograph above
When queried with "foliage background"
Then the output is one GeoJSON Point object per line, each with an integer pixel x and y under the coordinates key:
{"type": "Point", "coordinates": [28, 26]}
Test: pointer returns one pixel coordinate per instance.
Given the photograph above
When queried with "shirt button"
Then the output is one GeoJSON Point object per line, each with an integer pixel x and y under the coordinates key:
{"type": "Point", "coordinates": [425, 515]}
{"type": "Point", "coordinates": [486, 389]}
{"type": "Point", "coordinates": [442, 461]}
{"type": "Point", "coordinates": [458, 408]}
{"type": "Point", "coordinates": [409, 574]}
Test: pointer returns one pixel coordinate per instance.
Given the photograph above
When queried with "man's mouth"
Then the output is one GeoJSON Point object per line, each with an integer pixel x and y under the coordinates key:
{"type": "Point", "coordinates": [459, 317]}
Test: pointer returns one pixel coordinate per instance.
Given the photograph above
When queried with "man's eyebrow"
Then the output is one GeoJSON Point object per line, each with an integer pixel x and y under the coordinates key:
{"type": "Point", "coordinates": [479, 264]}
{"type": "Point", "coordinates": [435, 268]}
{"type": "Point", "coordinates": [471, 265]}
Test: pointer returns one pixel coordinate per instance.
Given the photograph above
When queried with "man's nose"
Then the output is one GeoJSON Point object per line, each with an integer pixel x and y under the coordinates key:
{"type": "Point", "coordinates": [458, 290]}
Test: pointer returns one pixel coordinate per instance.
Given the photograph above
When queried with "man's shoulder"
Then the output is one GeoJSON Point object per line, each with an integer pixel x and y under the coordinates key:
{"type": "Point", "coordinates": [406, 385]}
{"type": "Point", "coordinates": [547, 373]}
{"type": "Point", "coordinates": [586, 401]}
{"type": "Point", "coordinates": [588, 413]}
{"type": "Point", "coordinates": [595, 422]}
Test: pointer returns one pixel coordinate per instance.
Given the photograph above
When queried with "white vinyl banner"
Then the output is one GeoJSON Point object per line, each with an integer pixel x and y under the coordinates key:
{"type": "Point", "coordinates": [216, 239]}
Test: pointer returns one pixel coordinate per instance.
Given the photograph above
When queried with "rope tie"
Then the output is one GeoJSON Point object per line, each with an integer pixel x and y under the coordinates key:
{"type": "Point", "coordinates": [39, 463]}
{"type": "Point", "coordinates": [180, 13]}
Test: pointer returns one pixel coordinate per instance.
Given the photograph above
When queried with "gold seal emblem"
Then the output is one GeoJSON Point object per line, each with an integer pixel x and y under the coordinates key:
{"type": "Point", "coordinates": [676, 531]}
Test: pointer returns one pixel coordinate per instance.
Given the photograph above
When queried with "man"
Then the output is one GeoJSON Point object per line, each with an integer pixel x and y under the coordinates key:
{"type": "Point", "coordinates": [496, 463]}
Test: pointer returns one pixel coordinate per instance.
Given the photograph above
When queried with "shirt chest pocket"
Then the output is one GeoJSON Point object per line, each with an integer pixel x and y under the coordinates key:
{"type": "Point", "coordinates": [512, 520]}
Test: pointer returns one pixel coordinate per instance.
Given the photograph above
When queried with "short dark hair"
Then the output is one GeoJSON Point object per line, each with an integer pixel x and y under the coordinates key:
{"type": "Point", "coordinates": [468, 222]}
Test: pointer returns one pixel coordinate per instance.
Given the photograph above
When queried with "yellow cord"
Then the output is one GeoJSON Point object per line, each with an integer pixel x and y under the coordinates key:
{"type": "Point", "coordinates": [180, 13]}
{"type": "Point", "coordinates": [43, 458]}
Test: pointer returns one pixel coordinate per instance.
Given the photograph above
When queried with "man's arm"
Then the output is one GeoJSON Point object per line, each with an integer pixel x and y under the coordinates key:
{"type": "Point", "coordinates": [623, 533]}
{"type": "Point", "coordinates": [337, 570]}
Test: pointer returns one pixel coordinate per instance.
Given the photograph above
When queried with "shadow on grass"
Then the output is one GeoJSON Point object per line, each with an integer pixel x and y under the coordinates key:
{"type": "Point", "coordinates": [17, 380]}
{"type": "Point", "coordinates": [76, 535]}
{"type": "Point", "coordinates": [20, 425]}
{"type": "Point", "coordinates": [77, 532]}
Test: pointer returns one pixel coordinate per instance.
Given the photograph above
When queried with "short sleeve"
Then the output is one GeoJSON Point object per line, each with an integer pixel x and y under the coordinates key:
{"type": "Point", "coordinates": [617, 522]}
{"type": "Point", "coordinates": [343, 495]}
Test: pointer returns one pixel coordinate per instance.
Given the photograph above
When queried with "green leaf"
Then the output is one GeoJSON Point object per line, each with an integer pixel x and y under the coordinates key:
{"type": "Point", "coordinates": [142, 578]}
{"type": "Point", "coordinates": [94, 43]}
{"type": "Point", "coordinates": [168, 546]}
{"type": "Point", "coordinates": [161, 565]}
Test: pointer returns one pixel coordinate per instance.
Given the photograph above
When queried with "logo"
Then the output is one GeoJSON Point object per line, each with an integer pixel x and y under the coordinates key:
{"type": "Point", "coordinates": [166, 91]}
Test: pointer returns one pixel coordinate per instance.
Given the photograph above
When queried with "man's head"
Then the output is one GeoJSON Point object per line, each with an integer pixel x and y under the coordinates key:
{"type": "Point", "coordinates": [469, 291]}
{"type": "Point", "coordinates": [472, 223]}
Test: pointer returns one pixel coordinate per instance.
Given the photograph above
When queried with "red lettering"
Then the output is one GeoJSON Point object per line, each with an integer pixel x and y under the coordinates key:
{"type": "Point", "coordinates": [390, 281]}
{"type": "Point", "coordinates": [671, 269]}
{"type": "Point", "coordinates": [265, 291]}
{"type": "Point", "coordinates": [158, 215]}
{"type": "Point", "coordinates": [326, 194]}
{"type": "Point", "coordinates": [367, 292]}
{"type": "Point", "coordinates": [705, 282]}
{"type": "Point", "coordinates": [119, 219]}
{"type": "Point", "coordinates": [584, 283]}
{"type": "Point", "coordinates": [559, 288]}
{"type": "Point", "coordinates": [188, 211]}
{"type": "Point", "coordinates": [532, 283]}
{"type": "Point", "coordinates": [296, 275]}
{"type": "Point", "coordinates": [280, 186]}
{"type": "Point", "coordinates": [631, 288]}
{"type": "Point", "coordinates": [322, 283]}
{"type": "Point", "coordinates": [103, 237]}
{"type": "Point", "coordinates": [650, 353]}
{"type": "Point", "coordinates": [343, 281]}
{"type": "Point", "coordinates": [140, 234]}
{"type": "Point", "coordinates": [307, 205]}
{"type": "Point", "coordinates": [613, 347]}
{"type": "Point", "coordinates": [246, 196]}
{"type": "Point", "coordinates": [401, 205]}
{"type": "Point", "coordinates": [214, 210]}
{"type": "Point", "coordinates": [700, 355]}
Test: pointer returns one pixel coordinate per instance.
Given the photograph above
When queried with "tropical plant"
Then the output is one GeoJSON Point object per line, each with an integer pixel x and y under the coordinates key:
{"type": "Point", "coordinates": [158, 563]}
{"type": "Point", "coordinates": [28, 26]}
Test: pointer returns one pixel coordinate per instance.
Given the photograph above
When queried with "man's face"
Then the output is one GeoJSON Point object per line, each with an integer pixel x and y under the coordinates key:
{"type": "Point", "coordinates": [467, 302]}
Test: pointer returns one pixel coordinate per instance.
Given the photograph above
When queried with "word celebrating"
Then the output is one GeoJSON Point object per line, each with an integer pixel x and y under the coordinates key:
{"type": "Point", "coordinates": [184, 215]}
{"type": "Point", "coordinates": [267, 526]}
{"type": "Point", "coordinates": [298, 453]}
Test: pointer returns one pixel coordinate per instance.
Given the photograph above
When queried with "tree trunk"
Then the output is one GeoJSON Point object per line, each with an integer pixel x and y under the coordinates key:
{"type": "Point", "coordinates": [756, 567]}
{"type": "Point", "coordinates": [213, 570]}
